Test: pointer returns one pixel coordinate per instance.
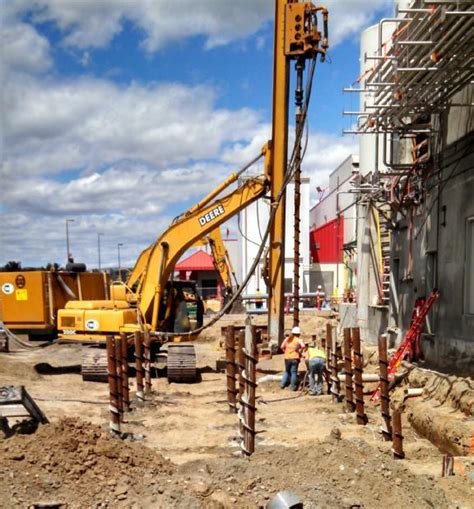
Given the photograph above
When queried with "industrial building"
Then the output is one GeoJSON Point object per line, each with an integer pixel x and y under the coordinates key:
{"type": "Point", "coordinates": [415, 207]}
{"type": "Point", "coordinates": [333, 232]}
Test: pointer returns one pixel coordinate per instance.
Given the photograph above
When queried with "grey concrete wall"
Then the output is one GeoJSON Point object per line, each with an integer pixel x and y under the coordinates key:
{"type": "Point", "coordinates": [372, 319]}
{"type": "Point", "coordinates": [439, 255]}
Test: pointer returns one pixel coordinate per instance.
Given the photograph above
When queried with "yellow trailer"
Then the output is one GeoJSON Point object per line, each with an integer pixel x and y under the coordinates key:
{"type": "Point", "coordinates": [30, 300]}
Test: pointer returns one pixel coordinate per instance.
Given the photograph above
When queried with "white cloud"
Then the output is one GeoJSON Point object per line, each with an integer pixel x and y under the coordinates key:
{"type": "Point", "coordinates": [133, 152]}
{"type": "Point", "coordinates": [93, 24]}
{"type": "Point", "coordinates": [50, 126]}
{"type": "Point", "coordinates": [23, 49]}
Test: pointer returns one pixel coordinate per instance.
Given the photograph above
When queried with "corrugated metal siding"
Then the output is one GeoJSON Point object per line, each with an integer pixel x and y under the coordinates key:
{"type": "Point", "coordinates": [326, 242]}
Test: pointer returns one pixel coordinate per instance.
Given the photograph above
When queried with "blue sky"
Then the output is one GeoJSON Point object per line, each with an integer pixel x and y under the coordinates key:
{"type": "Point", "coordinates": [117, 116]}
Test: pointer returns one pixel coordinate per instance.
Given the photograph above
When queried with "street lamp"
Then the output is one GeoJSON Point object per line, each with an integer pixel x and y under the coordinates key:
{"type": "Point", "coordinates": [119, 245]}
{"type": "Point", "coordinates": [67, 238]}
{"type": "Point", "coordinates": [99, 235]}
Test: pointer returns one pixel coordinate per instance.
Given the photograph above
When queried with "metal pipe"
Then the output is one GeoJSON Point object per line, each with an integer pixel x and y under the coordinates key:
{"type": "Point", "coordinates": [125, 385]}
{"type": "Point", "coordinates": [248, 397]}
{"type": "Point", "coordinates": [139, 365]}
{"type": "Point", "coordinates": [377, 57]}
{"type": "Point", "coordinates": [447, 41]}
{"type": "Point", "coordinates": [114, 419]}
{"type": "Point", "coordinates": [327, 371]}
{"type": "Point", "coordinates": [118, 370]}
{"type": "Point", "coordinates": [335, 384]}
{"type": "Point", "coordinates": [230, 369]}
{"type": "Point", "coordinates": [415, 69]}
{"type": "Point", "coordinates": [408, 11]}
{"type": "Point", "coordinates": [397, 437]}
{"type": "Point", "coordinates": [241, 362]}
{"type": "Point", "coordinates": [345, 89]}
{"type": "Point", "coordinates": [299, 96]}
{"type": "Point", "coordinates": [414, 43]}
{"type": "Point", "coordinates": [350, 405]}
{"type": "Point", "coordinates": [358, 370]}
{"type": "Point", "coordinates": [384, 393]}
{"type": "Point", "coordinates": [147, 361]}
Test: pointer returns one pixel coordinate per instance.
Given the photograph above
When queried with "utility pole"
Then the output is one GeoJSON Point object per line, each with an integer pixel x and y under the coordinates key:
{"type": "Point", "coordinates": [119, 245]}
{"type": "Point", "coordinates": [67, 238]}
{"type": "Point", "coordinates": [99, 235]}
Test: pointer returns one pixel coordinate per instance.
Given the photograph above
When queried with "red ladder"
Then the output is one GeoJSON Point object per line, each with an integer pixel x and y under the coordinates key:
{"type": "Point", "coordinates": [410, 346]}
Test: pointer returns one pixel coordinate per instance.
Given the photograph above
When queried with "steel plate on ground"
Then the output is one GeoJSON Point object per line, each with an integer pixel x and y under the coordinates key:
{"type": "Point", "coordinates": [94, 365]}
{"type": "Point", "coordinates": [181, 365]}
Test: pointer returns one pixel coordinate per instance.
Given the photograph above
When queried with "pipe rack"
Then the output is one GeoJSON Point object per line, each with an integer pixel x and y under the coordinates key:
{"type": "Point", "coordinates": [427, 60]}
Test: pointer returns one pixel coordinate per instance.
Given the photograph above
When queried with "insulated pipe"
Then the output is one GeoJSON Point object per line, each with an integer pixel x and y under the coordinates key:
{"type": "Point", "coordinates": [368, 378]}
{"type": "Point", "coordinates": [114, 420]}
{"type": "Point", "coordinates": [413, 392]}
{"type": "Point", "coordinates": [139, 365]}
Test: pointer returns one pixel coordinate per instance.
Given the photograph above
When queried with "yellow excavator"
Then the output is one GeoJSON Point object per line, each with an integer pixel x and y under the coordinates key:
{"type": "Point", "coordinates": [151, 300]}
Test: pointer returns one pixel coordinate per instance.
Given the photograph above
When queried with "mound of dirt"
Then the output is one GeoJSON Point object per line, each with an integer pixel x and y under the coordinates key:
{"type": "Point", "coordinates": [331, 473]}
{"type": "Point", "coordinates": [75, 462]}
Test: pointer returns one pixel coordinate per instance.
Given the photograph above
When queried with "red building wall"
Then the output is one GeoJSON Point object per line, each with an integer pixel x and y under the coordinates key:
{"type": "Point", "coordinates": [326, 242]}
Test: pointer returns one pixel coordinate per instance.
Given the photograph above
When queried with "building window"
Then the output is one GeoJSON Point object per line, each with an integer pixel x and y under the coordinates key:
{"type": "Point", "coordinates": [469, 269]}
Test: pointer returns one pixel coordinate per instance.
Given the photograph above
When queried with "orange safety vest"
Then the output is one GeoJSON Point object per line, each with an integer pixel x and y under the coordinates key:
{"type": "Point", "coordinates": [292, 349]}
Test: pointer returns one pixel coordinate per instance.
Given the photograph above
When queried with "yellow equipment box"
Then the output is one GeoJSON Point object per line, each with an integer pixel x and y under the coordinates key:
{"type": "Point", "coordinates": [94, 322]}
{"type": "Point", "coordinates": [30, 300]}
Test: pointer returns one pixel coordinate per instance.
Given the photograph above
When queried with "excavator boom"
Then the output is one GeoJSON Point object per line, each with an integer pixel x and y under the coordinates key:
{"type": "Point", "coordinates": [182, 234]}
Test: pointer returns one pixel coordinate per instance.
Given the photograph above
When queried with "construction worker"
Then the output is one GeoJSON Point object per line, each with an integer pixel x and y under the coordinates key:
{"type": "Point", "coordinates": [315, 361]}
{"type": "Point", "coordinates": [320, 296]}
{"type": "Point", "coordinates": [293, 348]}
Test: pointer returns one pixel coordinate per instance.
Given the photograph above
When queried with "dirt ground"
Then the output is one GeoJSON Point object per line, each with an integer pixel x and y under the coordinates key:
{"type": "Point", "coordinates": [186, 452]}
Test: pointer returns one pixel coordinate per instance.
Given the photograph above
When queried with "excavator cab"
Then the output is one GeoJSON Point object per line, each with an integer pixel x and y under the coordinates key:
{"type": "Point", "coordinates": [182, 307]}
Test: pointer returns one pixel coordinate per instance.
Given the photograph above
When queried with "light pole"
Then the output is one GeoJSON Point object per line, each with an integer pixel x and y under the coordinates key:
{"type": "Point", "coordinates": [67, 238]}
{"type": "Point", "coordinates": [99, 235]}
{"type": "Point", "coordinates": [119, 245]}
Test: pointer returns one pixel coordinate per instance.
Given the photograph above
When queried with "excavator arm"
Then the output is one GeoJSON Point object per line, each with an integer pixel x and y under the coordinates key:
{"type": "Point", "coordinates": [182, 234]}
{"type": "Point", "coordinates": [221, 259]}
{"type": "Point", "coordinates": [220, 256]}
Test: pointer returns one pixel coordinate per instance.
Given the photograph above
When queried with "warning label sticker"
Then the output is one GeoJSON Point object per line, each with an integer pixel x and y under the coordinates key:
{"type": "Point", "coordinates": [22, 294]}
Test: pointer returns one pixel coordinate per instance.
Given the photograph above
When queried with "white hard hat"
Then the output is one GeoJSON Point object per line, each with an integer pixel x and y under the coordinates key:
{"type": "Point", "coordinates": [296, 330]}
{"type": "Point", "coordinates": [319, 287]}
